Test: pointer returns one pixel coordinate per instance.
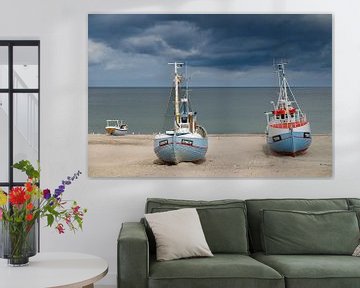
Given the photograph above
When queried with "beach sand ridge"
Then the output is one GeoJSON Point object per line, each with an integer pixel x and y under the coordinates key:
{"type": "Point", "coordinates": [232, 155]}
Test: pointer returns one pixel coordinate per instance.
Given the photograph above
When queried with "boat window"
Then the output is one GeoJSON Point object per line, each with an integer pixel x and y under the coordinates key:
{"type": "Point", "coordinates": [163, 142]}
{"type": "Point", "coordinates": [187, 142]}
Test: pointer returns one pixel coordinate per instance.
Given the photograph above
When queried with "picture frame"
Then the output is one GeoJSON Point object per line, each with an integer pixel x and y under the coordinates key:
{"type": "Point", "coordinates": [232, 75]}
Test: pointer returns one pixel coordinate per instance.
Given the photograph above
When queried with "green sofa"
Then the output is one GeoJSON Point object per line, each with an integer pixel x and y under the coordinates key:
{"type": "Point", "coordinates": [237, 233]}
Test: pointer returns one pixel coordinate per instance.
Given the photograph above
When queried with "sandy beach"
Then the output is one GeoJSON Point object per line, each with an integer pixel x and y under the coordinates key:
{"type": "Point", "coordinates": [228, 156]}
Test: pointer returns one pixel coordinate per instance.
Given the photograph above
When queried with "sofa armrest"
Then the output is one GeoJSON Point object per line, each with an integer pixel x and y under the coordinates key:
{"type": "Point", "coordinates": [133, 256]}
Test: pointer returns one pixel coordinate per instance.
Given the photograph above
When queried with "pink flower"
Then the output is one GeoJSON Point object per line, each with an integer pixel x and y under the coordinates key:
{"type": "Point", "coordinates": [1, 212]}
{"type": "Point", "coordinates": [60, 228]}
{"type": "Point", "coordinates": [76, 210]}
{"type": "Point", "coordinates": [68, 219]}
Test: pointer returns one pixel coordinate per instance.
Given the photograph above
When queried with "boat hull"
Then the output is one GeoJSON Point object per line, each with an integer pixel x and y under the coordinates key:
{"type": "Point", "coordinates": [289, 141]}
{"type": "Point", "coordinates": [177, 148]}
{"type": "Point", "coordinates": [116, 131]}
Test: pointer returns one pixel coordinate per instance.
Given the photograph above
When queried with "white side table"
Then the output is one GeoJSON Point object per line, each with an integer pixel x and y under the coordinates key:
{"type": "Point", "coordinates": [50, 270]}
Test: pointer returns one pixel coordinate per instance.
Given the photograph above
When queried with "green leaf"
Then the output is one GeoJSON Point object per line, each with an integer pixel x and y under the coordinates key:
{"type": "Point", "coordinates": [28, 168]}
{"type": "Point", "coordinates": [52, 211]}
{"type": "Point", "coordinates": [50, 219]}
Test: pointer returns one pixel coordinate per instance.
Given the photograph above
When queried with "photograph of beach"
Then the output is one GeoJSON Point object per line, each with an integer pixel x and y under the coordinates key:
{"type": "Point", "coordinates": [235, 95]}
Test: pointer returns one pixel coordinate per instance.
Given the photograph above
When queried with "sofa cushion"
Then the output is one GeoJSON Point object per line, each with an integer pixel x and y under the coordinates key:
{"type": "Point", "coordinates": [354, 205]}
{"type": "Point", "coordinates": [297, 232]}
{"type": "Point", "coordinates": [178, 234]}
{"type": "Point", "coordinates": [356, 209]}
{"type": "Point", "coordinates": [222, 270]}
{"type": "Point", "coordinates": [353, 201]}
{"type": "Point", "coordinates": [223, 221]}
{"type": "Point", "coordinates": [313, 271]}
{"type": "Point", "coordinates": [254, 216]}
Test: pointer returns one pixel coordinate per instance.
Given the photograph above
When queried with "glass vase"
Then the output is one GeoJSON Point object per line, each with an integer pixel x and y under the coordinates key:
{"type": "Point", "coordinates": [18, 242]}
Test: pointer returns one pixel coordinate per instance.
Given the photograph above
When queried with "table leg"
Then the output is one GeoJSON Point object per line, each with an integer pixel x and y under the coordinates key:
{"type": "Point", "coordinates": [89, 286]}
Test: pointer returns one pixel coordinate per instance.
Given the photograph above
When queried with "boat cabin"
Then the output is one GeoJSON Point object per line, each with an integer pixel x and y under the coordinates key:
{"type": "Point", "coordinates": [285, 114]}
{"type": "Point", "coordinates": [187, 118]}
{"type": "Point", "coordinates": [116, 123]}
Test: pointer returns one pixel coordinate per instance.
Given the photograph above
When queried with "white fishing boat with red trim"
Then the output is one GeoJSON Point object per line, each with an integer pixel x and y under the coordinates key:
{"type": "Point", "coordinates": [187, 141]}
{"type": "Point", "coordinates": [288, 130]}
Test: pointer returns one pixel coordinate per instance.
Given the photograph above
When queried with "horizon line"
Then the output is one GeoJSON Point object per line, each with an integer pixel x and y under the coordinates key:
{"type": "Point", "coordinates": [208, 87]}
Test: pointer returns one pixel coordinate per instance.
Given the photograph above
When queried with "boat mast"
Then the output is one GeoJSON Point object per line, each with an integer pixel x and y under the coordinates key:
{"type": "Point", "coordinates": [177, 80]}
{"type": "Point", "coordinates": [283, 97]}
{"type": "Point", "coordinates": [284, 87]}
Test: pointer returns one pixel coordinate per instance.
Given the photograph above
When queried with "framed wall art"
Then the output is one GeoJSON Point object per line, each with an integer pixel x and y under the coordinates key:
{"type": "Point", "coordinates": [210, 95]}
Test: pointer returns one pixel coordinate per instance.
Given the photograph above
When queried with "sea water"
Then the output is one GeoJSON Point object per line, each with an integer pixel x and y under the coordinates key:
{"type": "Point", "coordinates": [219, 110]}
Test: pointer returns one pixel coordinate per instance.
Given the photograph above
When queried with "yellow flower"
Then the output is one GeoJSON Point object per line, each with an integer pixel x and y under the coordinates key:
{"type": "Point", "coordinates": [3, 198]}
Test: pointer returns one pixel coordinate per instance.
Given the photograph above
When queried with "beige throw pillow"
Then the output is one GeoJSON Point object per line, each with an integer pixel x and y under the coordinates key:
{"type": "Point", "coordinates": [357, 251]}
{"type": "Point", "coordinates": [178, 234]}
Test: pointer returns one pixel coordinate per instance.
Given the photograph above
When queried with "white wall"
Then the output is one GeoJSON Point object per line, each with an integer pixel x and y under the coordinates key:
{"type": "Point", "coordinates": [61, 25]}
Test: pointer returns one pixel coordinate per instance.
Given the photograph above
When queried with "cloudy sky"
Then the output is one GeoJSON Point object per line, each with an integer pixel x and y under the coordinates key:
{"type": "Point", "coordinates": [220, 50]}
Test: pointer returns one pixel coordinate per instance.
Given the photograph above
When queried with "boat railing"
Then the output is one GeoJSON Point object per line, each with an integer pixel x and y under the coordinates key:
{"type": "Point", "coordinates": [116, 123]}
{"type": "Point", "coordinates": [268, 116]}
{"type": "Point", "coordinates": [112, 123]}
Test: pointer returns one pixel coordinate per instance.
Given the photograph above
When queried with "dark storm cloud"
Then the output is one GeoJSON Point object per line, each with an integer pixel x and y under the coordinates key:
{"type": "Point", "coordinates": [231, 42]}
{"type": "Point", "coordinates": [127, 49]}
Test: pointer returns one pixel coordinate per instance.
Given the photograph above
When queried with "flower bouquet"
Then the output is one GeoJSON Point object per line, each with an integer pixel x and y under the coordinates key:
{"type": "Point", "coordinates": [21, 208]}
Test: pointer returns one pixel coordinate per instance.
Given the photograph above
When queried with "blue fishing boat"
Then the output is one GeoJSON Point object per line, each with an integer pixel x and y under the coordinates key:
{"type": "Point", "coordinates": [288, 130]}
{"type": "Point", "coordinates": [186, 141]}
